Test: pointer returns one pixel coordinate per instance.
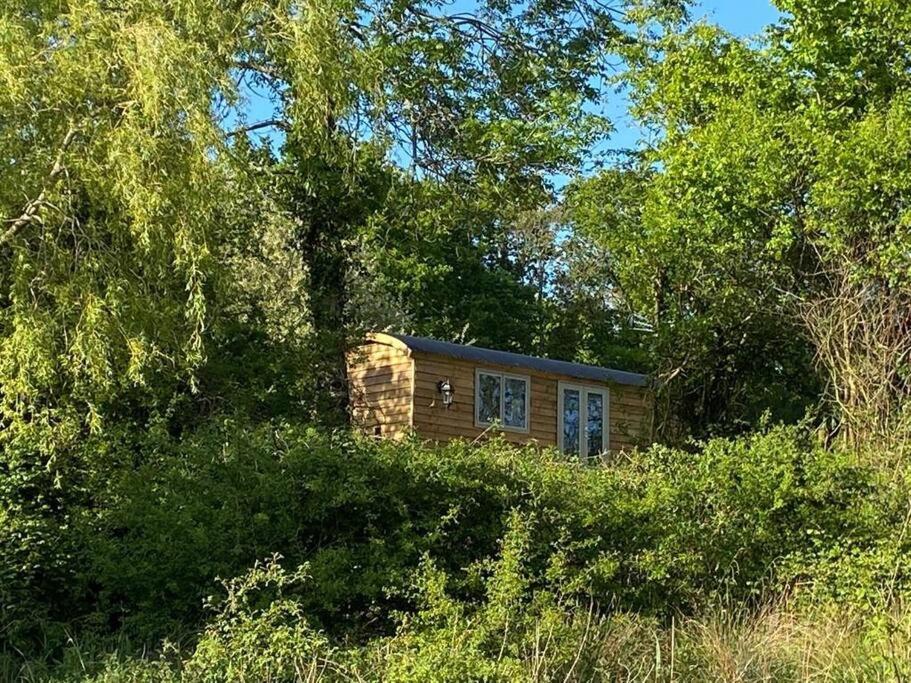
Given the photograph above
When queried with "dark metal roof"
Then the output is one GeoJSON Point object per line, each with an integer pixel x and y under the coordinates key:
{"type": "Point", "coordinates": [518, 360]}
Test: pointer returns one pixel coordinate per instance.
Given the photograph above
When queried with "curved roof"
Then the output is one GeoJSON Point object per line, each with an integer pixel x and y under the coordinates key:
{"type": "Point", "coordinates": [517, 360]}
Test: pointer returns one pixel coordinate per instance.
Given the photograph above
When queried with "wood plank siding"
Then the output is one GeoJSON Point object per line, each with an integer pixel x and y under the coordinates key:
{"type": "Point", "coordinates": [628, 415]}
{"type": "Point", "coordinates": [395, 388]}
{"type": "Point", "coordinates": [380, 382]}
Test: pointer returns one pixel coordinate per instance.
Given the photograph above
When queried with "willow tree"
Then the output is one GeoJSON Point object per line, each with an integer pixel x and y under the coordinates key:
{"type": "Point", "coordinates": [109, 167]}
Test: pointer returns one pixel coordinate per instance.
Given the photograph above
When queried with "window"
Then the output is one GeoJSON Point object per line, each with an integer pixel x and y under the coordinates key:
{"type": "Point", "coordinates": [502, 399]}
{"type": "Point", "coordinates": [583, 419]}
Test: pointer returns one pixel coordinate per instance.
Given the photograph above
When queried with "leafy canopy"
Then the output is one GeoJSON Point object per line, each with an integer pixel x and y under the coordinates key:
{"type": "Point", "coordinates": [775, 176]}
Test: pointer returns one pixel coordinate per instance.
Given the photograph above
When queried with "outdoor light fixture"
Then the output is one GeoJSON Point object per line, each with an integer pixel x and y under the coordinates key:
{"type": "Point", "coordinates": [446, 390]}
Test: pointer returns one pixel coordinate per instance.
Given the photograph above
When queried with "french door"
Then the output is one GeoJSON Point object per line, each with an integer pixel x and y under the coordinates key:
{"type": "Point", "coordinates": [582, 419]}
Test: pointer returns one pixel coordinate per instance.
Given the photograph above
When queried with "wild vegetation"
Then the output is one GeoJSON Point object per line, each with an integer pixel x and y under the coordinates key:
{"type": "Point", "coordinates": [205, 205]}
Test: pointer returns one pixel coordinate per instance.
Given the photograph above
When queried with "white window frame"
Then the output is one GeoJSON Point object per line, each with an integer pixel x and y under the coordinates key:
{"type": "Point", "coordinates": [584, 390]}
{"type": "Point", "coordinates": [500, 421]}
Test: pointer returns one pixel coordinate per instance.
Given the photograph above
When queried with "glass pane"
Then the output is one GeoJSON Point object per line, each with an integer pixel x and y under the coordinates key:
{"type": "Point", "coordinates": [571, 421]}
{"type": "Point", "coordinates": [488, 398]}
{"type": "Point", "coordinates": [515, 392]}
{"type": "Point", "coordinates": [595, 426]}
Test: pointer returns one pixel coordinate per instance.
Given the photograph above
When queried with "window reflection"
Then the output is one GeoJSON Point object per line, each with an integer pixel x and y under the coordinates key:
{"type": "Point", "coordinates": [570, 421]}
{"type": "Point", "coordinates": [595, 425]}
{"type": "Point", "coordinates": [514, 398]}
{"type": "Point", "coordinates": [488, 398]}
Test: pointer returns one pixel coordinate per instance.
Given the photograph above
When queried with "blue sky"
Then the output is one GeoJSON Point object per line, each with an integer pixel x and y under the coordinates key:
{"type": "Point", "coordinates": [743, 17]}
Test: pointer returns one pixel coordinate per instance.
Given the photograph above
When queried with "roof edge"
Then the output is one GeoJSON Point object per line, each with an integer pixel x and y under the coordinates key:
{"type": "Point", "coordinates": [478, 354]}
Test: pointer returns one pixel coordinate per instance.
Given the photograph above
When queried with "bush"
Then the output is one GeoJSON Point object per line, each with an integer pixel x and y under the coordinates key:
{"type": "Point", "coordinates": [739, 516]}
{"type": "Point", "coordinates": [360, 514]}
{"type": "Point", "coordinates": [657, 532]}
{"type": "Point", "coordinates": [259, 632]}
{"type": "Point", "coordinates": [665, 529]}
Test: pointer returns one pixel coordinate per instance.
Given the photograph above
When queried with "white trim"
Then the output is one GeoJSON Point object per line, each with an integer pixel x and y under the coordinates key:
{"type": "Point", "coordinates": [584, 390]}
{"type": "Point", "coordinates": [500, 423]}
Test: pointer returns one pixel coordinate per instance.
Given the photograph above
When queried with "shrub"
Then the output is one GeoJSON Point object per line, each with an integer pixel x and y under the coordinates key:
{"type": "Point", "coordinates": [258, 632]}
{"type": "Point", "coordinates": [726, 519]}
{"type": "Point", "coordinates": [657, 532]}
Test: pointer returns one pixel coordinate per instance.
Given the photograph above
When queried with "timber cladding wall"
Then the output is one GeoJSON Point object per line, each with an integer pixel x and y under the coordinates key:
{"type": "Point", "coordinates": [395, 390]}
{"type": "Point", "coordinates": [628, 414]}
{"type": "Point", "coordinates": [435, 421]}
{"type": "Point", "coordinates": [380, 382]}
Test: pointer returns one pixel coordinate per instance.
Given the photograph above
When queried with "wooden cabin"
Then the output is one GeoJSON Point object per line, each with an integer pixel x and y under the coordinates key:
{"type": "Point", "coordinates": [401, 384]}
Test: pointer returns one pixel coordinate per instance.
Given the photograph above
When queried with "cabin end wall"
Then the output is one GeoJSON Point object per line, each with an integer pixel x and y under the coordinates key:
{"type": "Point", "coordinates": [630, 417]}
{"type": "Point", "coordinates": [381, 387]}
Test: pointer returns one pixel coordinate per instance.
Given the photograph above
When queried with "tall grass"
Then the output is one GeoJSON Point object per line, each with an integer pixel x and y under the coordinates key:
{"type": "Point", "coordinates": [733, 645]}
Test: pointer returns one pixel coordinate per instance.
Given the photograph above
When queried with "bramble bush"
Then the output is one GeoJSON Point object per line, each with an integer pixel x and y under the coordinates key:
{"type": "Point", "coordinates": [656, 532]}
{"type": "Point", "coordinates": [258, 630]}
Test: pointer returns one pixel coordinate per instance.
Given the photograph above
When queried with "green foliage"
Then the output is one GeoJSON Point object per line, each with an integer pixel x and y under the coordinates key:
{"type": "Point", "coordinates": [259, 634]}
{"type": "Point", "coordinates": [481, 266]}
{"type": "Point", "coordinates": [158, 265]}
{"type": "Point", "coordinates": [113, 160]}
{"type": "Point", "coordinates": [724, 346]}
{"type": "Point", "coordinates": [443, 266]}
{"type": "Point", "coordinates": [775, 176]}
{"type": "Point", "coordinates": [176, 297]}
{"type": "Point", "coordinates": [258, 630]}
{"type": "Point", "coordinates": [664, 530]}
{"type": "Point", "coordinates": [761, 499]}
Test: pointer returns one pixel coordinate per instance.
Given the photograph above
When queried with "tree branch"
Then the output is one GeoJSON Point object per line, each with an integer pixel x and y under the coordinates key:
{"type": "Point", "coordinates": [30, 212]}
{"type": "Point", "coordinates": [271, 123]}
{"type": "Point", "coordinates": [263, 69]}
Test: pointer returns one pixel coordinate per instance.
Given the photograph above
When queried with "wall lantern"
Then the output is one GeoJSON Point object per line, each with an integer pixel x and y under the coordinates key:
{"type": "Point", "coordinates": [446, 390]}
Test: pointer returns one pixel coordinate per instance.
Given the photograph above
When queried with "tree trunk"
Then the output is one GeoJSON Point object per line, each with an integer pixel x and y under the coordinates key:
{"type": "Point", "coordinates": [327, 265]}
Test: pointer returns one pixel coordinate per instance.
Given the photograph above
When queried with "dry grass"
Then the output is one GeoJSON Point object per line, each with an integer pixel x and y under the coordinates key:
{"type": "Point", "coordinates": [771, 644]}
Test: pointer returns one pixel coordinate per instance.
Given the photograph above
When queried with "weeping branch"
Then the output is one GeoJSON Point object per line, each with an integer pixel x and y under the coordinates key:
{"type": "Point", "coordinates": [30, 212]}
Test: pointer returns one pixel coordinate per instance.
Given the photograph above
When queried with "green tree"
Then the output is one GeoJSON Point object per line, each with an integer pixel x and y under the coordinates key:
{"type": "Point", "coordinates": [484, 103]}
{"type": "Point", "coordinates": [443, 266]}
{"type": "Point", "coordinates": [144, 277]}
{"type": "Point", "coordinates": [774, 189]}
{"type": "Point", "coordinates": [769, 212]}
{"type": "Point", "coordinates": [112, 170]}
{"type": "Point", "coordinates": [475, 268]}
